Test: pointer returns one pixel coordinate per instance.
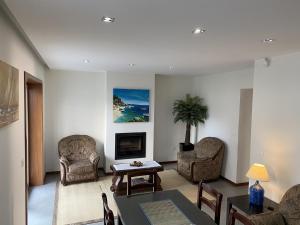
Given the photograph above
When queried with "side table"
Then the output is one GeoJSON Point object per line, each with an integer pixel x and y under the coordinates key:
{"type": "Point", "coordinates": [242, 203]}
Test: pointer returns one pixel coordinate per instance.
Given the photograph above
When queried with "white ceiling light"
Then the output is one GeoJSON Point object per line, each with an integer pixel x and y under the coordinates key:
{"type": "Point", "coordinates": [268, 40]}
{"type": "Point", "coordinates": [131, 65]}
{"type": "Point", "coordinates": [86, 61]}
{"type": "Point", "coordinates": [107, 19]}
{"type": "Point", "coordinates": [199, 30]}
{"type": "Point", "coordinates": [171, 67]}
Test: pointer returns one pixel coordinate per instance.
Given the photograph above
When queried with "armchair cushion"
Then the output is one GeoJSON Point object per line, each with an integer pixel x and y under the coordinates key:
{"type": "Point", "coordinates": [94, 157]}
{"type": "Point", "coordinates": [289, 206]}
{"type": "Point", "coordinates": [81, 167]}
{"type": "Point", "coordinates": [63, 159]}
{"type": "Point", "coordinates": [273, 218]}
{"type": "Point", "coordinates": [208, 147]}
{"type": "Point", "coordinates": [185, 164]}
{"type": "Point", "coordinates": [186, 155]}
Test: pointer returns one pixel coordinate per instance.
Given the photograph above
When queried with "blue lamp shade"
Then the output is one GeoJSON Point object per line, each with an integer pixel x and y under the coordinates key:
{"type": "Point", "coordinates": [257, 172]}
{"type": "Point", "coordinates": [256, 197]}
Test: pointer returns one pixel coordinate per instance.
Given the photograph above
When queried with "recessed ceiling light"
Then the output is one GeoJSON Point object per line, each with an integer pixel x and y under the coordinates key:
{"type": "Point", "coordinates": [131, 65]}
{"type": "Point", "coordinates": [86, 61]}
{"type": "Point", "coordinates": [107, 19]}
{"type": "Point", "coordinates": [268, 40]}
{"type": "Point", "coordinates": [199, 30]}
{"type": "Point", "coordinates": [171, 67]}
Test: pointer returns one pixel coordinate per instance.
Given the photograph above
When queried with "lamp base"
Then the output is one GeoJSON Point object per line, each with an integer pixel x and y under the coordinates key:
{"type": "Point", "coordinates": [256, 197]}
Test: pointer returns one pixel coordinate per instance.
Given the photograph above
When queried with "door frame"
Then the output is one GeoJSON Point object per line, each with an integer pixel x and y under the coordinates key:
{"type": "Point", "coordinates": [30, 79]}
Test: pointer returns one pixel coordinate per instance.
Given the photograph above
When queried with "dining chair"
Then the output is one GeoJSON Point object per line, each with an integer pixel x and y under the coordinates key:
{"type": "Point", "coordinates": [234, 215]}
{"type": "Point", "coordinates": [141, 183]}
{"type": "Point", "coordinates": [215, 204]}
{"type": "Point", "coordinates": [108, 213]}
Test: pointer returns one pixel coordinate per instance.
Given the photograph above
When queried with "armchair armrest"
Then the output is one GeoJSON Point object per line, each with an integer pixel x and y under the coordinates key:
{"type": "Point", "coordinates": [64, 161]}
{"type": "Point", "coordinates": [270, 218]}
{"type": "Point", "coordinates": [94, 158]}
{"type": "Point", "coordinates": [187, 154]}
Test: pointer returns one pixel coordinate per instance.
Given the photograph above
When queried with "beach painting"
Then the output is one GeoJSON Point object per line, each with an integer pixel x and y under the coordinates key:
{"type": "Point", "coordinates": [9, 94]}
{"type": "Point", "coordinates": [130, 105]}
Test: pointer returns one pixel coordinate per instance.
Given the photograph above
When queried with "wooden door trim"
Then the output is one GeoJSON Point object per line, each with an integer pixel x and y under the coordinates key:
{"type": "Point", "coordinates": [28, 79]}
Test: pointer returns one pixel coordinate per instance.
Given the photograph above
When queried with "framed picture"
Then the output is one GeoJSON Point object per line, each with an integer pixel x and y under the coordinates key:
{"type": "Point", "coordinates": [9, 94]}
{"type": "Point", "coordinates": [130, 105]}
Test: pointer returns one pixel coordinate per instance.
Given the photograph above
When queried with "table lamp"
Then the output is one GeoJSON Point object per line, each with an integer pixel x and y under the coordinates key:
{"type": "Point", "coordinates": [257, 172]}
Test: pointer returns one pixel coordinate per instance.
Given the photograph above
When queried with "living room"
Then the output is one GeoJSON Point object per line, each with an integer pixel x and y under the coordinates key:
{"type": "Point", "coordinates": [242, 64]}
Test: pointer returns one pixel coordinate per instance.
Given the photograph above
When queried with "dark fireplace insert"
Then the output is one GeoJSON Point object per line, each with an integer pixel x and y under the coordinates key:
{"type": "Point", "coordinates": [130, 145]}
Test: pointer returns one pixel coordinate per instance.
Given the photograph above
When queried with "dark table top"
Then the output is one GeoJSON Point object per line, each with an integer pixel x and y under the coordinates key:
{"type": "Point", "coordinates": [242, 203]}
{"type": "Point", "coordinates": [131, 213]}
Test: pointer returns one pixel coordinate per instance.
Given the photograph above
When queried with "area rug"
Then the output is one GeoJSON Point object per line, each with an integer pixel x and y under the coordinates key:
{"type": "Point", "coordinates": [82, 204]}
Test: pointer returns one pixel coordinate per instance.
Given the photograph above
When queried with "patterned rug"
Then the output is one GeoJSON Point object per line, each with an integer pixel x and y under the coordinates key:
{"type": "Point", "coordinates": [82, 204]}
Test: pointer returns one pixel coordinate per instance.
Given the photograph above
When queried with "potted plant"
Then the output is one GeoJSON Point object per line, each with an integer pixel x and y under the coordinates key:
{"type": "Point", "coordinates": [192, 112]}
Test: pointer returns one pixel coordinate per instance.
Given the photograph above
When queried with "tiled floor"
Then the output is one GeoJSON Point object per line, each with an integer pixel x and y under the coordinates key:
{"type": "Point", "coordinates": [41, 199]}
{"type": "Point", "coordinates": [41, 202]}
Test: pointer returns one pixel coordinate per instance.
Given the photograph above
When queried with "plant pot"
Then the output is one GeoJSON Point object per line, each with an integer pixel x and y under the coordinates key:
{"type": "Point", "coordinates": [186, 147]}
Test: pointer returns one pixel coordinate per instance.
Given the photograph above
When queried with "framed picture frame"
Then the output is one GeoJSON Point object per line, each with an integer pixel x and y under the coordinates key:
{"type": "Point", "coordinates": [9, 94]}
{"type": "Point", "coordinates": [131, 105]}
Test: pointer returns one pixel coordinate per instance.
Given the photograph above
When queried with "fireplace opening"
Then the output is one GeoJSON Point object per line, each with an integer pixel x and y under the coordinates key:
{"type": "Point", "coordinates": [130, 145]}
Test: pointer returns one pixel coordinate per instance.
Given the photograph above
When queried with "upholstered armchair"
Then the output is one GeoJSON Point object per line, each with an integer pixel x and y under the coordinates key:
{"type": "Point", "coordinates": [78, 159]}
{"type": "Point", "coordinates": [288, 212]}
{"type": "Point", "coordinates": [204, 162]}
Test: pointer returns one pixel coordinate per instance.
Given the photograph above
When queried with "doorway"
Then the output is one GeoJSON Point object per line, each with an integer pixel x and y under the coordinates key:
{"type": "Point", "coordinates": [34, 141]}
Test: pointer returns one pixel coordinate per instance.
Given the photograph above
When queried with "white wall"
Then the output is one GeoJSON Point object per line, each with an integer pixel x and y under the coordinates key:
{"type": "Point", "coordinates": [167, 133]}
{"type": "Point", "coordinates": [135, 81]}
{"type": "Point", "coordinates": [75, 104]}
{"type": "Point", "coordinates": [221, 93]}
{"type": "Point", "coordinates": [14, 51]}
{"type": "Point", "coordinates": [276, 122]}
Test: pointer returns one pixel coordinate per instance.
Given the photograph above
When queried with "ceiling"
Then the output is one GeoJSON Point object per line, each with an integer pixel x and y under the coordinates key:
{"type": "Point", "coordinates": [157, 34]}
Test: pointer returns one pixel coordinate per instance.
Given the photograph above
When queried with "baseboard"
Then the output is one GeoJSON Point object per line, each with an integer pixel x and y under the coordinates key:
{"type": "Point", "coordinates": [235, 184]}
{"type": "Point", "coordinates": [52, 172]}
{"type": "Point", "coordinates": [167, 162]}
{"type": "Point", "coordinates": [106, 173]}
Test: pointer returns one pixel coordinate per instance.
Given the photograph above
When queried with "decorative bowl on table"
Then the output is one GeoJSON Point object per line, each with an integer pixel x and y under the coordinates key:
{"type": "Point", "coordinates": [136, 163]}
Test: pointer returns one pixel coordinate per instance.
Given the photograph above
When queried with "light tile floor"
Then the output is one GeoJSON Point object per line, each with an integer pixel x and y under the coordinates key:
{"type": "Point", "coordinates": [41, 199]}
{"type": "Point", "coordinates": [41, 202]}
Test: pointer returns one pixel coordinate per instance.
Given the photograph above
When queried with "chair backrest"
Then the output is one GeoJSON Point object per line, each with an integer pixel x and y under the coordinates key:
{"type": "Point", "coordinates": [108, 214]}
{"type": "Point", "coordinates": [215, 204]}
{"type": "Point", "coordinates": [209, 147]}
{"type": "Point", "coordinates": [133, 184]}
{"type": "Point", "coordinates": [289, 205]}
{"type": "Point", "coordinates": [76, 147]}
{"type": "Point", "coordinates": [234, 215]}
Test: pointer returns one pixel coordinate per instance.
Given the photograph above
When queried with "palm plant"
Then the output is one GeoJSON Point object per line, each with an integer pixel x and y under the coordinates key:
{"type": "Point", "coordinates": [190, 111]}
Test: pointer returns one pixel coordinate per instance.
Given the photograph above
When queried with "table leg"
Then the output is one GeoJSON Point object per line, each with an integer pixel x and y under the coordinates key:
{"type": "Point", "coordinates": [158, 183]}
{"type": "Point", "coordinates": [114, 180]}
{"type": "Point", "coordinates": [229, 206]}
{"type": "Point", "coordinates": [119, 220]}
{"type": "Point", "coordinates": [116, 183]}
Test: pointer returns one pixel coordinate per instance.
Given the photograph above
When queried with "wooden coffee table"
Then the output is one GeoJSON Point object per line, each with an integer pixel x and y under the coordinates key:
{"type": "Point", "coordinates": [119, 187]}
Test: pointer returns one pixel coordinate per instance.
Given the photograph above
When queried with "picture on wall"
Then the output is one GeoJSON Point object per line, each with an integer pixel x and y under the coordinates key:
{"type": "Point", "coordinates": [130, 105]}
{"type": "Point", "coordinates": [9, 94]}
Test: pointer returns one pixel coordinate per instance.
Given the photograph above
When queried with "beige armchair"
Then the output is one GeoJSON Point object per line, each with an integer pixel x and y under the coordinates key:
{"type": "Point", "coordinates": [204, 162]}
{"type": "Point", "coordinates": [288, 212]}
{"type": "Point", "coordinates": [78, 159]}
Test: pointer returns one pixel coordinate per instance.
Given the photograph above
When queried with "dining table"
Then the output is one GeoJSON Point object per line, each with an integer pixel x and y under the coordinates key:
{"type": "Point", "coordinates": [161, 207]}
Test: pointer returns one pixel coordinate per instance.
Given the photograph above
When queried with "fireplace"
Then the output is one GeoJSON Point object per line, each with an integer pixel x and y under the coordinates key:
{"type": "Point", "coordinates": [130, 145]}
